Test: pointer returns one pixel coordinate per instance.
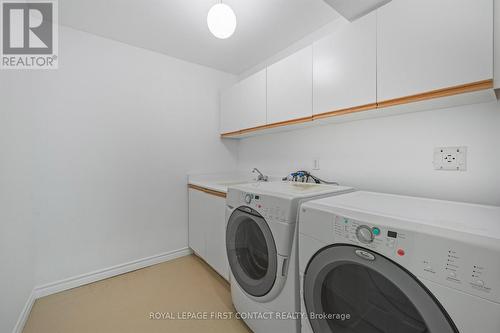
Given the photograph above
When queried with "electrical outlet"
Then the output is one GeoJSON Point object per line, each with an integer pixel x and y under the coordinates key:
{"type": "Point", "coordinates": [450, 158]}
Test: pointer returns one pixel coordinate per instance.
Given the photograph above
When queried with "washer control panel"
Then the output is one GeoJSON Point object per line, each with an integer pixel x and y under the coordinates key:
{"type": "Point", "coordinates": [455, 264]}
{"type": "Point", "coordinates": [269, 207]}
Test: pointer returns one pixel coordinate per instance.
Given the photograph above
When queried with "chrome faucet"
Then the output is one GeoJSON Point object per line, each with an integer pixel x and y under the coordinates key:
{"type": "Point", "coordinates": [261, 177]}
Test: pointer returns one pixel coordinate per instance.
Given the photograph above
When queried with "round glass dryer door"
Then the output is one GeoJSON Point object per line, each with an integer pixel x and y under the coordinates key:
{"type": "Point", "coordinates": [251, 251]}
{"type": "Point", "coordinates": [348, 289]}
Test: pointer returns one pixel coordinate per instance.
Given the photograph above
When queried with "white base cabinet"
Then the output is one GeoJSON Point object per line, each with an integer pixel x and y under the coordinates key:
{"type": "Point", "coordinates": [207, 229]}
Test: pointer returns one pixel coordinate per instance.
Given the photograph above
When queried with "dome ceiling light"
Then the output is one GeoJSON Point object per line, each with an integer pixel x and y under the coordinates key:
{"type": "Point", "coordinates": [221, 21]}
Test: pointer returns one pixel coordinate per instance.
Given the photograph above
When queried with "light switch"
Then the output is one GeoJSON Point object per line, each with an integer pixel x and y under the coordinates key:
{"type": "Point", "coordinates": [316, 164]}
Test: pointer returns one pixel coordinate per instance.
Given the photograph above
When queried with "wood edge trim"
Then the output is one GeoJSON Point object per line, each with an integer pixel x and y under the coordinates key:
{"type": "Point", "coordinates": [267, 126]}
{"type": "Point", "coordinates": [341, 112]}
{"type": "Point", "coordinates": [230, 134]}
{"type": "Point", "coordinates": [207, 190]}
{"type": "Point", "coordinates": [280, 123]}
{"type": "Point", "coordinates": [450, 91]}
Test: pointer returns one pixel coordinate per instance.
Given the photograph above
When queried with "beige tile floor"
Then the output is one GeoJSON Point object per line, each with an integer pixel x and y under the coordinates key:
{"type": "Point", "coordinates": [124, 303]}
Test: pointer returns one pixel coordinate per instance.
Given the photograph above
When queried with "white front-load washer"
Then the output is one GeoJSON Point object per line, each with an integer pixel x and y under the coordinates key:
{"type": "Point", "coordinates": [374, 262]}
{"type": "Point", "coordinates": [261, 249]}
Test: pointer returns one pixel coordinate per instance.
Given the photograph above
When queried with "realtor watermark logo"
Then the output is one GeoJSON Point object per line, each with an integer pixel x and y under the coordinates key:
{"type": "Point", "coordinates": [29, 37]}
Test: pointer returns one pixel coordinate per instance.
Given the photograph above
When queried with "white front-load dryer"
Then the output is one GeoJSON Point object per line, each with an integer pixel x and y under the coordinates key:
{"type": "Point", "coordinates": [374, 262]}
{"type": "Point", "coordinates": [262, 254]}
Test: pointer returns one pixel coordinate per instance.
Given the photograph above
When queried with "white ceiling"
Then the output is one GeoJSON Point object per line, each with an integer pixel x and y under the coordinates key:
{"type": "Point", "coordinates": [178, 27]}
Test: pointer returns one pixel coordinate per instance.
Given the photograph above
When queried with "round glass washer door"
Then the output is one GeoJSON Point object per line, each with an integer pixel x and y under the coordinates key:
{"type": "Point", "coordinates": [376, 293]}
{"type": "Point", "coordinates": [251, 251]}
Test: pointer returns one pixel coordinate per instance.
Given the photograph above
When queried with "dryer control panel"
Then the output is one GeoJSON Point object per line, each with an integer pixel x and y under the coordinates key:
{"type": "Point", "coordinates": [470, 268]}
{"type": "Point", "coordinates": [390, 242]}
{"type": "Point", "coordinates": [456, 264]}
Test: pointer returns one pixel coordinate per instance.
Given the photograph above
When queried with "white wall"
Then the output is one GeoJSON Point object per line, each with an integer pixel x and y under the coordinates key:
{"type": "Point", "coordinates": [392, 154]}
{"type": "Point", "coordinates": [108, 140]}
{"type": "Point", "coordinates": [122, 127]}
{"type": "Point", "coordinates": [496, 34]}
{"type": "Point", "coordinates": [16, 206]}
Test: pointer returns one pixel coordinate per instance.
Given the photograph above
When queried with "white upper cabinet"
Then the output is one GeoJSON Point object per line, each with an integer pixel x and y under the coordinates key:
{"type": "Point", "coordinates": [406, 51]}
{"type": "Point", "coordinates": [345, 67]}
{"type": "Point", "coordinates": [244, 104]}
{"type": "Point", "coordinates": [424, 45]}
{"type": "Point", "coordinates": [289, 87]}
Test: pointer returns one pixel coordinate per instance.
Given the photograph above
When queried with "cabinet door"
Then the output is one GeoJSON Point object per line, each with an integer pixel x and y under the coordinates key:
{"type": "Point", "coordinates": [424, 45]}
{"type": "Point", "coordinates": [216, 235]}
{"type": "Point", "coordinates": [289, 87]}
{"type": "Point", "coordinates": [345, 67]}
{"type": "Point", "coordinates": [229, 110]}
{"type": "Point", "coordinates": [244, 104]}
{"type": "Point", "coordinates": [197, 224]}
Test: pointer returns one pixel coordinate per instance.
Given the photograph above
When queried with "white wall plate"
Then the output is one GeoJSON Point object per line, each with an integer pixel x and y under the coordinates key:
{"type": "Point", "coordinates": [450, 158]}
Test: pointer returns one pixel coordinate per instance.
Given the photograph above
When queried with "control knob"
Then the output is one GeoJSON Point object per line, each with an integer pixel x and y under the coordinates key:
{"type": "Point", "coordinates": [248, 198]}
{"type": "Point", "coordinates": [364, 234]}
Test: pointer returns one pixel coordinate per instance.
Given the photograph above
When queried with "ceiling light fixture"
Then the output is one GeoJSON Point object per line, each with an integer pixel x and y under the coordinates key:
{"type": "Point", "coordinates": [221, 21]}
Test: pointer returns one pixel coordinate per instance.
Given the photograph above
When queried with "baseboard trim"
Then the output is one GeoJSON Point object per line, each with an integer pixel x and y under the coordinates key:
{"type": "Point", "coordinates": [23, 317]}
{"type": "Point", "coordinates": [80, 280]}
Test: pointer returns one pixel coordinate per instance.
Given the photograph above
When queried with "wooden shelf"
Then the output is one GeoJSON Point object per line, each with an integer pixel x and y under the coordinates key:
{"type": "Point", "coordinates": [407, 100]}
